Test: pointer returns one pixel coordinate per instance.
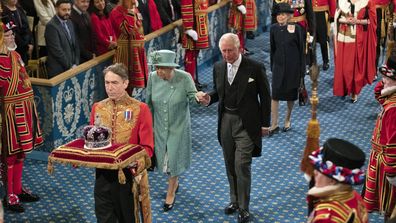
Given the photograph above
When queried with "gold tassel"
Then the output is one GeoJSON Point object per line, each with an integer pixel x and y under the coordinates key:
{"type": "Point", "coordinates": [135, 192]}
{"type": "Point", "coordinates": [313, 133]}
{"type": "Point", "coordinates": [121, 176]}
{"type": "Point", "coordinates": [50, 167]}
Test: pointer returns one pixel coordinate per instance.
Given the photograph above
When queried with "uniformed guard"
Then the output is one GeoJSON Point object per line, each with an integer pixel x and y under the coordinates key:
{"type": "Point", "coordinates": [196, 33]}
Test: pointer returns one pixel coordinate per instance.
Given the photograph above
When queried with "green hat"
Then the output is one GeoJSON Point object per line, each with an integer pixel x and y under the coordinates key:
{"type": "Point", "coordinates": [163, 58]}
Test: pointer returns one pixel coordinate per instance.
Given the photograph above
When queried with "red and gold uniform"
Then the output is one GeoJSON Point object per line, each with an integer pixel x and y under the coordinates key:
{"type": "Point", "coordinates": [130, 122]}
{"type": "Point", "coordinates": [379, 194]}
{"type": "Point", "coordinates": [130, 51]}
{"type": "Point", "coordinates": [21, 130]}
{"type": "Point", "coordinates": [338, 204]}
{"type": "Point", "coordinates": [195, 17]}
{"type": "Point", "coordinates": [241, 23]}
{"type": "Point", "coordinates": [324, 11]}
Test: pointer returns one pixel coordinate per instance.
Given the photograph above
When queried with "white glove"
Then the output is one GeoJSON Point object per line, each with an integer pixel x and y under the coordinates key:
{"type": "Point", "coordinates": [193, 34]}
{"type": "Point", "coordinates": [394, 24]}
{"type": "Point", "coordinates": [242, 9]}
{"type": "Point", "coordinates": [307, 177]}
{"type": "Point", "coordinates": [392, 180]}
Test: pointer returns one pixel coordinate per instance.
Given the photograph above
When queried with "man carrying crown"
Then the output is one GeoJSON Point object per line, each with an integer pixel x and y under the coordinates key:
{"type": "Point", "coordinates": [21, 129]}
{"type": "Point", "coordinates": [130, 122]}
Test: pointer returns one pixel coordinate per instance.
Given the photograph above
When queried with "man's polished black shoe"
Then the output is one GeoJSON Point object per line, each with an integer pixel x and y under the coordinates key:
{"type": "Point", "coordinates": [231, 208]}
{"type": "Point", "coordinates": [27, 196]}
{"type": "Point", "coordinates": [325, 66]}
{"type": "Point", "coordinates": [243, 216]}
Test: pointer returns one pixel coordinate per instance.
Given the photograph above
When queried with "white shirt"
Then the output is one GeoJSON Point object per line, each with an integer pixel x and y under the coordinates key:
{"type": "Point", "coordinates": [232, 69]}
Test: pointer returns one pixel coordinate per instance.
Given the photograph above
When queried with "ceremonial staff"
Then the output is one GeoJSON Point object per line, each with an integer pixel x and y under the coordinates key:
{"type": "Point", "coordinates": [313, 129]}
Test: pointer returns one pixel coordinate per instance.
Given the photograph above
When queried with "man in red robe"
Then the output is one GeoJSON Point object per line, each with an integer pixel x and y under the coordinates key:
{"type": "Point", "coordinates": [380, 190]}
{"type": "Point", "coordinates": [21, 129]}
{"type": "Point", "coordinates": [354, 47]}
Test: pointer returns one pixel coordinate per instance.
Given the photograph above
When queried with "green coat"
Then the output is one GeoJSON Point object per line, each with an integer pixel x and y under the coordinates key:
{"type": "Point", "coordinates": [169, 103]}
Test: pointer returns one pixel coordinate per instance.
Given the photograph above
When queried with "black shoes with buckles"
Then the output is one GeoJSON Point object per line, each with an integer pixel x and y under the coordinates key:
{"type": "Point", "coordinates": [243, 216]}
{"type": "Point", "coordinates": [325, 66]}
{"type": "Point", "coordinates": [231, 208]}
{"type": "Point", "coordinates": [28, 196]}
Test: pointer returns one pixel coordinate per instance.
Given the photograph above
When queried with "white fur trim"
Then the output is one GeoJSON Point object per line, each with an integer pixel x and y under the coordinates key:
{"type": "Point", "coordinates": [327, 190]}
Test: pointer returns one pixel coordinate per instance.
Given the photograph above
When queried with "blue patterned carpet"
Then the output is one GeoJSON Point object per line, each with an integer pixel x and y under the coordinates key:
{"type": "Point", "coordinates": [278, 187]}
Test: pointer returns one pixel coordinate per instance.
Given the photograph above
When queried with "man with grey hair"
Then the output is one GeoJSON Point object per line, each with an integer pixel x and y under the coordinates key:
{"type": "Point", "coordinates": [130, 122]}
{"type": "Point", "coordinates": [244, 109]}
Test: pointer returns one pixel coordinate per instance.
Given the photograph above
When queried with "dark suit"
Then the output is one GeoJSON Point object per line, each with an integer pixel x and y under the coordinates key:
{"type": "Point", "coordinates": [63, 52]}
{"type": "Point", "coordinates": [83, 28]}
{"type": "Point", "coordinates": [253, 103]}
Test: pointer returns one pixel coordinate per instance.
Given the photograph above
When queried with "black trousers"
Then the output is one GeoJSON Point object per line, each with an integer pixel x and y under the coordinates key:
{"type": "Point", "coordinates": [322, 36]}
{"type": "Point", "coordinates": [113, 201]}
{"type": "Point", "coordinates": [237, 151]}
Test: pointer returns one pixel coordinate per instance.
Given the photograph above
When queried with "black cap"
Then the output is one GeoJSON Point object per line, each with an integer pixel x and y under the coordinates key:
{"type": "Point", "coordinates": [343, 153]}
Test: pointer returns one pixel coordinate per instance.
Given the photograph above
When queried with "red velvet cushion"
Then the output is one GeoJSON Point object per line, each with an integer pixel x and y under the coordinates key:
{"type": "Point", "coordinates": [114, 157]}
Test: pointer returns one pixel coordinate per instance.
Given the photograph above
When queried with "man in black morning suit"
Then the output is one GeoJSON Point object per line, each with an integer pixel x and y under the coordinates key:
{"type": "Point", "coordinates": [242, 90]}
{"type": "Point", "coordinates": [60, 38]}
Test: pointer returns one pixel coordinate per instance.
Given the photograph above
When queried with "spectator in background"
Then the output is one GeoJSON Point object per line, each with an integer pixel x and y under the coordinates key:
{"type": "Point", "coordinates": [287, 63]}
{"type": "Point", "coordinates": [151, 18]}
{"type": "Point", "coordinates": [103, 32]}
{"type": "Point", "coordinates": [23, 36]}
{"type": "Point", "coordinates": [169, 10]}
{"type": "Point", "coordinates": [62, 46]}
{"type": "Point", "coordinates": [45, 11]}
{"type": "Point", "coordinates": [128, 27]}
{"type": "Point", "coordinates": [380, 190]}
{"type": "Point", "coordinates": [338, 166]}
{"type": "Point", "coordinates": [82, 25]}
{"type": "Point", "coordinates": [30, 11]}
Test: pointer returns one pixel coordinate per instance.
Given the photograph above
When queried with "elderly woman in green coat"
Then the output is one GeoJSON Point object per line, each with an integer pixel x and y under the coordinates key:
{"type": "Point", "coordinates": [170, 91]}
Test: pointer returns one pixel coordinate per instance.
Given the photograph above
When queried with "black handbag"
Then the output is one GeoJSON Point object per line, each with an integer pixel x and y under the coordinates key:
{"type": "Point", "coordinates": [302, 93]}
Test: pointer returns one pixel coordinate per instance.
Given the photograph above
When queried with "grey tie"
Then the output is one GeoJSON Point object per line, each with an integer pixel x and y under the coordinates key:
{"type": "Point", "coordinates": [67, 29]}
{"type": "Point", "coordinates": [230, 74]}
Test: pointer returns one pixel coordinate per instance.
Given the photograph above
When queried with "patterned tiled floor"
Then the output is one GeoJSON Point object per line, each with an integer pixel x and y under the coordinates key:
{"type": "Point", "coordinates": [278, 188]}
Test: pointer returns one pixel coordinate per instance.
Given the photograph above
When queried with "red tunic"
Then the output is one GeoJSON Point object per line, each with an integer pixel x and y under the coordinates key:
{"type": "Point", "coordinates": [238, 21]}
{"type": "Point", "coordinates": [339, 207]}
{"type": "Point", "coordinates": [355, 49]}
{"type": "Point", "coordinates": [195, 16]}
{"type": "Point", "coordinates": [21, 119]}
{"type": "Point", "coordinates": [130, 44]}
{"type": "Point", "coordinates": [324, 5]}
{"type": "Point", "coordinates": [129, 120]}
{"type": "Point", "coordinates": [103, 32]}
{"type": "Point", "coordinates": [380, 195]}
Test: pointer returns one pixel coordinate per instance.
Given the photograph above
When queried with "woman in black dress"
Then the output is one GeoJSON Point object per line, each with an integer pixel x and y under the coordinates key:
{"type": "Point", "coordinates": [287, 63]}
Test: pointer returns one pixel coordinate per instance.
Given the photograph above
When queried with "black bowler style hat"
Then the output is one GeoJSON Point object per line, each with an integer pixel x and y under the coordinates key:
{"type": "Point", "coordinates": [282, 8]}
{"type": "Point", "coordinates": [389, 69]}
{"type": "Point", "coordinates": [340, 160]}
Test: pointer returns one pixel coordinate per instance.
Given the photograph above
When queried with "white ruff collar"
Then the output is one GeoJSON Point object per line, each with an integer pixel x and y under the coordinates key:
{"type": "Point", "coordinates": [345, 6]}
{"type": "Point", "coordinates": [388, 91]}
{"type": "Point", "coordinates": [327, 190]}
